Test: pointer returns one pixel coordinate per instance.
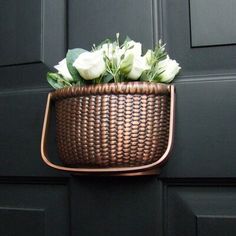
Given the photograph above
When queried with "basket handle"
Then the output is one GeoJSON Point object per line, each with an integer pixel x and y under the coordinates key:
{"type": "Point", "coordinates": [110, 169]}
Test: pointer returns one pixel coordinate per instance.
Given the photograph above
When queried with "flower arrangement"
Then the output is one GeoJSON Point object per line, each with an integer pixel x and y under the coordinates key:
{"type": "Point", "coordinates": [119, 126]}
{"type": "Point", "coordinates": [112, 62]}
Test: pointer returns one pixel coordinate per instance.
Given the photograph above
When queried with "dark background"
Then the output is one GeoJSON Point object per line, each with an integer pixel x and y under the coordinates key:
{"type": "Point", "coordinates": [196, 191]}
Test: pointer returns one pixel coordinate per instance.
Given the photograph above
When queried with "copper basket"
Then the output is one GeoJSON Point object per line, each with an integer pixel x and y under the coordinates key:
{"type": "Point", "coordinates": [118, 128]}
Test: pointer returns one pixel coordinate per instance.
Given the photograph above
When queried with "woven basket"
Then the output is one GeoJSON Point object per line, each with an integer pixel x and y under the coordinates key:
{"type": "Point", "coordinates": [112, 127]}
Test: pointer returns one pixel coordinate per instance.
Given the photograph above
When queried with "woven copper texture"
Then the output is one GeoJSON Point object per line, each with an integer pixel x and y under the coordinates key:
{"type": "Point", "coordinates": [112, 125]}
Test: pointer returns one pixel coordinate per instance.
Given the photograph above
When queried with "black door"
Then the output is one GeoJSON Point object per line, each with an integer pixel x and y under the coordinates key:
{"type": "Point", "coordinates": [196, 191]}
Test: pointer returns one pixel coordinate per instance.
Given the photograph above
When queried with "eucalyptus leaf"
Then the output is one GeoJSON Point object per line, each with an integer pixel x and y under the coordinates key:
{"type": "Point", "coordinates": [107, 78]}
{"type": "Point", "coordinates": [71, 56]}
{"type": "Point", "coordinates": [53, 83]}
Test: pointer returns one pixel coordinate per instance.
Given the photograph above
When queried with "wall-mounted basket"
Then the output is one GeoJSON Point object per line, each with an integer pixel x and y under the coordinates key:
{"type": "Point", "coordinates": [112, 129]}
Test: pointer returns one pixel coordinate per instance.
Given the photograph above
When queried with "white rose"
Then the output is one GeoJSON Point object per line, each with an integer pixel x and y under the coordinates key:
{"type": "Point", "coordinates": [63, 70]}
{"type": "Point", "coordinates": [90, 65]}
{"type": "Point", "coordinates": [169, 68]}
{"type": "Point", "coordinates": [134, 47]}
{"type": "Point", "coordinates": [138, 67]}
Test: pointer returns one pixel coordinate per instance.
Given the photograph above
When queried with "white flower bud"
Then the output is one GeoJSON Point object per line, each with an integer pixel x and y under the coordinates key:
{"type": "Point", "coordinates": [169, 68]}
{"type": "Point", "coordinates": [63, 70]}
{"type": "Point", "coordinates": [149, 57]}
{"type": "Point", "coordinates": [139, 66]}
{"type": "Point", "coordinates": [126, 64]}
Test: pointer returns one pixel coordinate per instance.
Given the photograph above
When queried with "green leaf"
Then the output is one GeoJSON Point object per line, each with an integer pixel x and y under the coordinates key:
{"type": "Point", "coordinates": [144, 77]}
{"type": "Point", "coordinates": [53, 78]}
{"type": "Point", "coordinates": [107, 78]}
{"type": "Point", "coordinates": [123, 78]}
{"type": "Point", "coordinates": [57, 81]}
{"type": "Point", "coordinates": [71, 56]}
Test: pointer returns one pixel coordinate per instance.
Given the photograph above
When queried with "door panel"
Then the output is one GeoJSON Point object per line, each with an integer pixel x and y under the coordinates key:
{"type": "Point", "coordinates": [33, 37]}
{"type": "Point", "coordinates": [195, 193]}
{"type": "Point", "coordinates": [116, 206]}
{"type": "Point", "coordinates": [21, 124]}
{"type": "Point", "coordinates": [208, 17]}
{"type": "Point", "coordinates": [203, 209]}
{"type": "Point", "coordinates": [205, 134]}
{"type": "Point", "coordinates": [177, 32]}
{"type": "Point", "coordinates": [34, 208]}
{"type": "Point", "coordinates": [90, 23]}
{"type": "Point", "coordinates": [11, 26]}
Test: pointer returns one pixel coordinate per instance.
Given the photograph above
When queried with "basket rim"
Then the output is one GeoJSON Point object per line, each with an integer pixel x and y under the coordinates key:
{"type": "Point", "coordinates": [113, 88]}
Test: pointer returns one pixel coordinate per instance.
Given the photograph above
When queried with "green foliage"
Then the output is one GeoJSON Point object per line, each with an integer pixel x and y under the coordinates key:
{"type": "Point", "coordinates": [159, 51]}
{"type": "Point", "coordinates": [153, 74]}
{"type": "Point", "coordinates": [107, 78]}
{"type": "Point", "coordinates": [57, 81]}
